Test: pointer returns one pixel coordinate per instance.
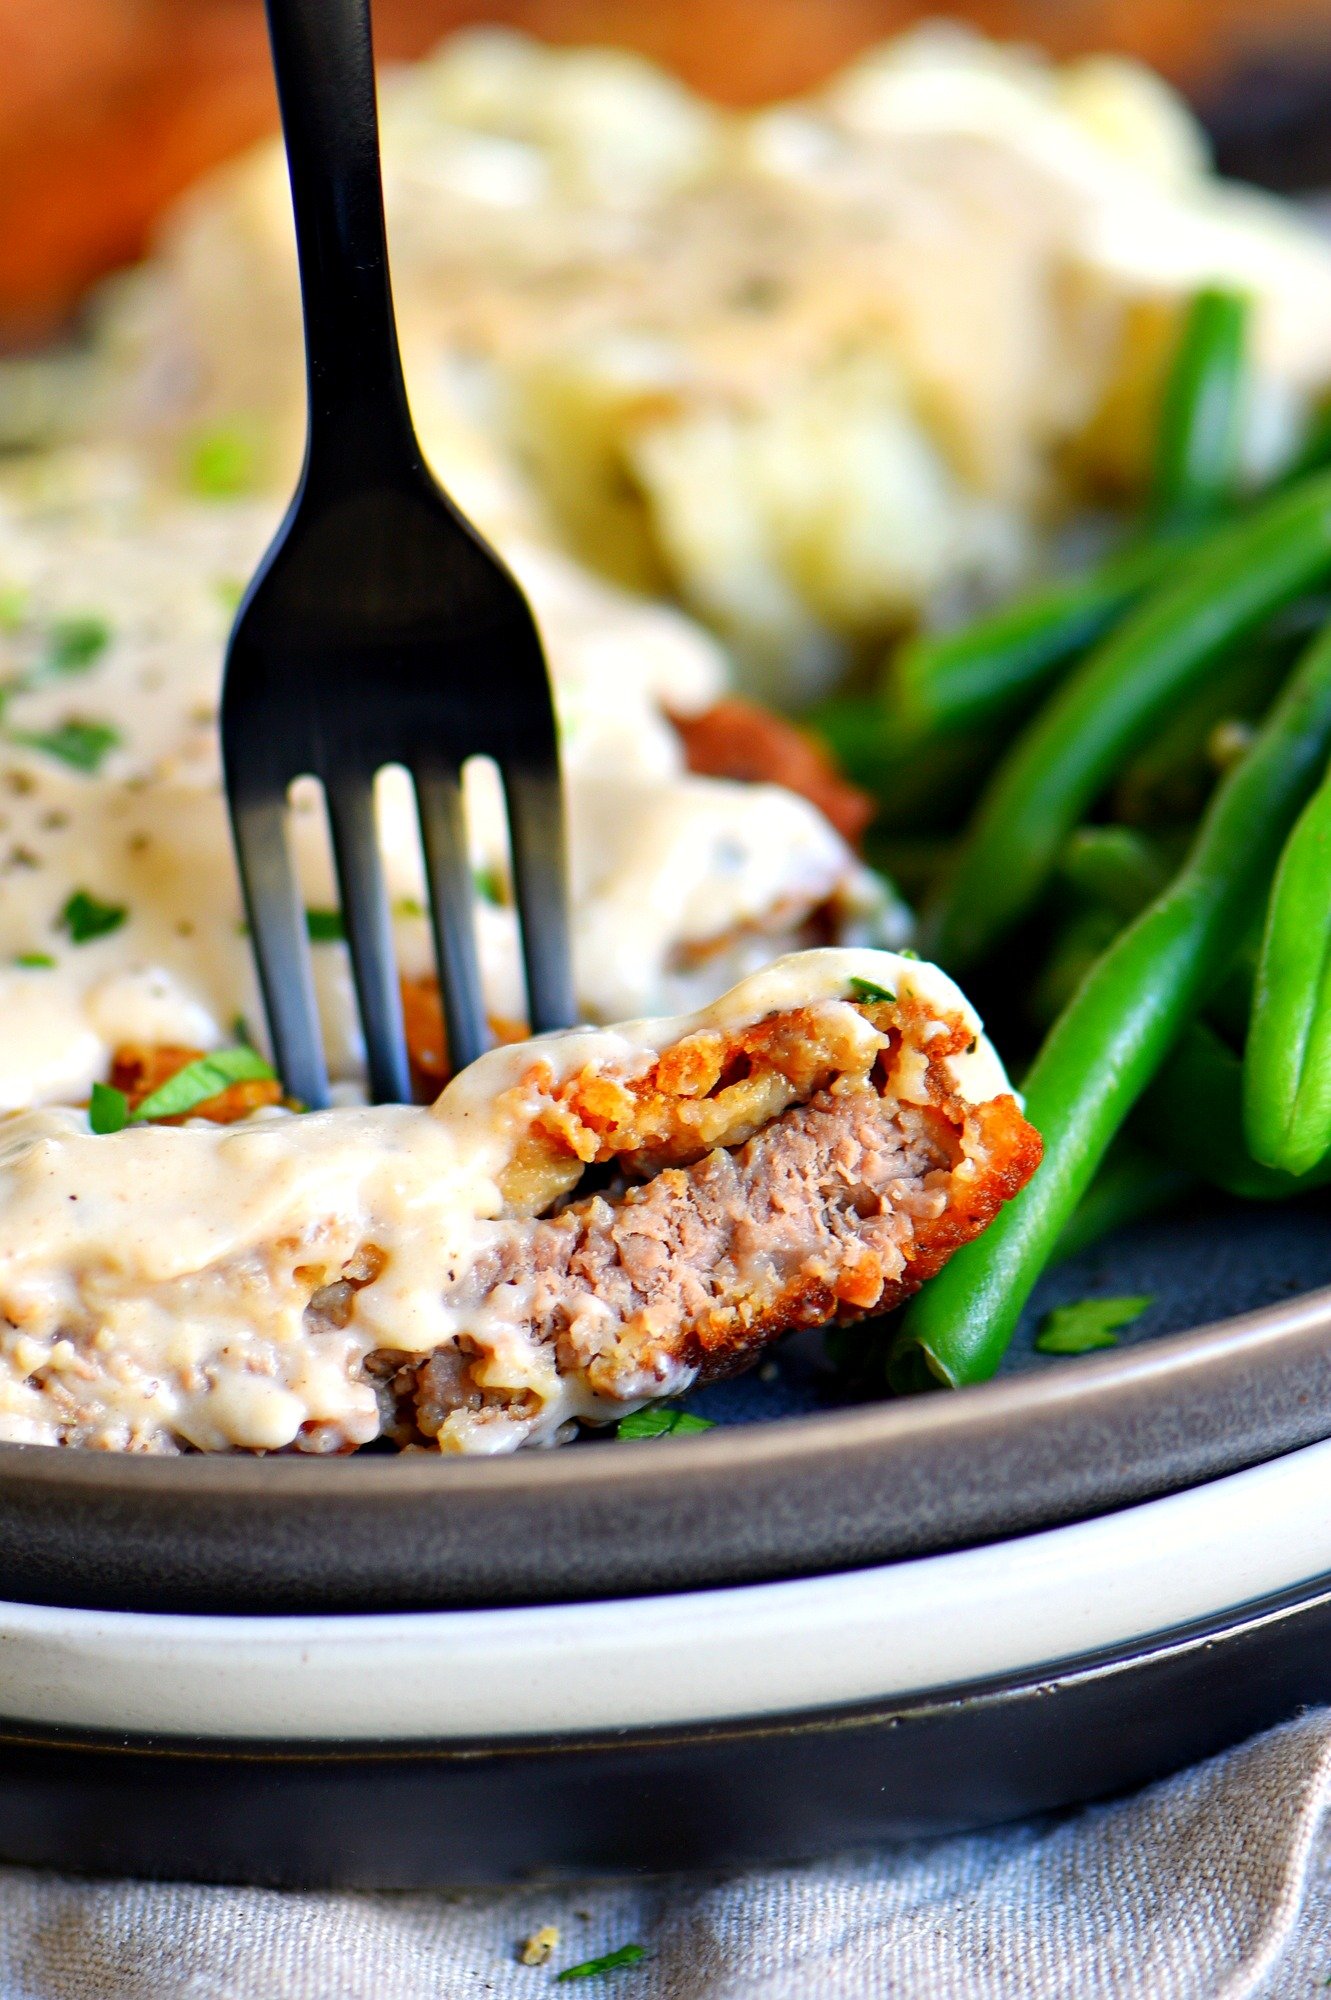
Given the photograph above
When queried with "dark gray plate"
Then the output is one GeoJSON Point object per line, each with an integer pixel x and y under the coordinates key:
{"type": "Point", "coordinates": [793, 1481]}
{"type": "Point", "coordinates": [774, 1788]}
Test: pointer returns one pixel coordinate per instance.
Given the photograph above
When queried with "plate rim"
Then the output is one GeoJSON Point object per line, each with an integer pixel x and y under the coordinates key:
{"type": "Point", "coordinates": [1024, 1607]}
{"type": "Point", "coordinates": [1195, 1635]}
{"type": "Point", "coordinates": [797, 1496]}
{"type": "Point", "coordinates": [431, 1815]}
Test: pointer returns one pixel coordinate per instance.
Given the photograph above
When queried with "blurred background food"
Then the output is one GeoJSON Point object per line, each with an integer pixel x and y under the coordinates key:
{"type": "Point", "coordinates": [961, 388]}
{"type": "Point", "coordinates": [820, 370]}
{"type": "Point", "coordinates": [108, 108]}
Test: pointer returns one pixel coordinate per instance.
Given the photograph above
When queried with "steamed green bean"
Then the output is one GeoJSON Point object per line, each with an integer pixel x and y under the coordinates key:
{"type": "Point", "coordinates": [1287, 1064]}
{"type": "Point", "coordinates": [1193, 1115]}
{"type": "Point", "coordinates": [1201, 417]}
{"type": "Point", "coordinates": [1110, 704]}
{"type": "Point", "coordinates": [1114, 1035]}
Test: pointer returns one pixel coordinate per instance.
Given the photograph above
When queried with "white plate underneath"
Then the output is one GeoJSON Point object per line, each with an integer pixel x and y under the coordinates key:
{"type": "Point", "coordinates": [705, 1656]}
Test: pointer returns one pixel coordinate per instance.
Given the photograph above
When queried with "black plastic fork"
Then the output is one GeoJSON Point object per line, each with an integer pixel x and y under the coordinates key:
{"type": "Point", "coordinates": [380, 628]}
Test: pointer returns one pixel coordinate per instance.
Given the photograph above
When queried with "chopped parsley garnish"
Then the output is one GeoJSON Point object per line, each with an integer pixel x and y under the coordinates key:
{"type": "Point", "coordinates": [75, 644]}
{"type": "Point", "coordinates": [655, 1422]}
{"type": "Point", "coordinates": [40, 961]}
{"type": "Point", "coordinates": [240, 1031]}
{"type": "Point", "coordinates": [489, 886]}
{"type": "Point", "coordinates": [222, 462]}
{"type": "Point", "coordinates": [908, 951]}
{"type": "Point", "coordinates": [82, 744]}
{"type": "Point", "coordinates": [1088, 1324]}
{"type": "Point", "coordinates": [85, 918]}
{"type": "Point", "coordinates": [324, 926]}
{"type": "Point", "coordinates": [409, 906]}
{"type": "Point", "coordinates": [109, 1109]}
{"type": "Point", "coordinates": [864, 989]}
{"type": "Point", "coordinates": [611, 1961]}
{"type": "Point", "coordinates": [205, 1077]}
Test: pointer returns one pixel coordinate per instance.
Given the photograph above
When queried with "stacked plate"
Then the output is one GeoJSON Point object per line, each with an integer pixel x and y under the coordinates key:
{"type": "Point", "coordinates": [819, 1623]}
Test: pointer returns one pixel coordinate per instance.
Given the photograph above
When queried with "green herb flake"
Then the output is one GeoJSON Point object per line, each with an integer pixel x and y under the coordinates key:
{"type": "Point", "coordinates": [35, 961]}
{"type": "Point", "coordinates": [324, 926]}
{"type": "Point", "coordinates": [85, 918]}
{"type": "Point", "coordinates": [489, 886]}
{"type": "Point", "coordinates": [407, 907]}
{"type": "Point", "coordinates": [75, 644]}
{"type": "Point", "coordinates": [611, 1961]}
{"type": "Point", "coordinates": [109, 1110]}
{"type": "Point", "coordinates": [222, 462]}
{"type": "Point", "coordinates": [865, 990]}
{"type": "Point", "coordinates": [240, 1031]}
{"type": "Point", "coordinates": [207, 1076]}
{"type": "Point", "coordinates": [909, 951]}
{"type": "Point", "coordinates": [82, 744]}
{"type": "Point", "coordinates": [1088, 1324]}
{"type": "Point", "coordinates": [655, 1422]}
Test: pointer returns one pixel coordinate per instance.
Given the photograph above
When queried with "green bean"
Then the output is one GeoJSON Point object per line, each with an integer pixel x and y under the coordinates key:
{"type": "Point", "coordinates": [1193, 1113]}
{"type": "Point", "coordinates": [1132, 1184]}
{"type": "Point", "coordinates": [1287, 1063]}
{"type": "Point", "coordinates": [1115, 866]}
{"type": "Point", "coordinates": [1201, 414]}
{"type": "Point", "coordinates": [915, 866]}
{"type": "Point", "coordinates": [1314, 450]}
{"type": "Point", "coordinates": [996, 663]}
{"type": "Point", "coordinates": [1119, 870]}
{"type": "Point", "coordinates": [1170, 778]}
{"type": "Point", "coordinates": [954, 680]}
{"type": "Point", "coordinates": [993, 665]}
{"type": "Point", "coordinates": [921, 787]}
{"type": "Point", "coordinates": [1114, 872]}
{"type": "Point", "coordinates": [1230, 1007]}
{"type": "Point", "coordinates": [1113, 701]}
{"type": "Point", "coordinates": [1105, 1048]}
{"type": "Point", "coordinates": [855, 730]}
{"type": "Point", "coordinates": [1078, 944]}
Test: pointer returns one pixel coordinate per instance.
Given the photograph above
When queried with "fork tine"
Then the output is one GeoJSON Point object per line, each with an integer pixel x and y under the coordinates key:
{"type": "Point", "coordinates": [540, 883]}
{"type": "Point", "coordinates": [277, 926]}
{"type": "Point", "coordinates": [369, 929]}
{"type": "Point", "coordinates": [447, 871]}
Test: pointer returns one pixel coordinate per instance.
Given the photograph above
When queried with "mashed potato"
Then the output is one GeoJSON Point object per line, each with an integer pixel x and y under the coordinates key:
{"type": "Point", "coordinates": [816, 370]}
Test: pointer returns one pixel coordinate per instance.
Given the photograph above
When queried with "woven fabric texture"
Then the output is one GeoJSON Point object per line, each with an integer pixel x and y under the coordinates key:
{"type": "Point", "coordinates": [1215, 1884]}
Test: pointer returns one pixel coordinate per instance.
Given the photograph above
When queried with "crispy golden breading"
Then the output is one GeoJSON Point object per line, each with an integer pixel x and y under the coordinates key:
{"type": "Point", "coordinates": [427, 1040]}
{"type": "Point", "coordinates": [794, 1173]}
{"type": "Point", "coordinates": [714, 1089]}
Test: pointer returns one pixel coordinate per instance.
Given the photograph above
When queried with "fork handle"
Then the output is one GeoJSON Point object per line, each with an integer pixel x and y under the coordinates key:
{"type": "Point", "coordinates": [324, 61]}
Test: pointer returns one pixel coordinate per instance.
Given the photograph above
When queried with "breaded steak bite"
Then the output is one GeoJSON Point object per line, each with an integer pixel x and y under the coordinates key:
{"type": "Point", "coordinates": [579, 1225]}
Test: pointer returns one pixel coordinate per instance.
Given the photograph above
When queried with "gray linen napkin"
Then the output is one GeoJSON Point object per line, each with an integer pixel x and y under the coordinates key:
{"type": "Point", "coordinates": [1215, 1884]}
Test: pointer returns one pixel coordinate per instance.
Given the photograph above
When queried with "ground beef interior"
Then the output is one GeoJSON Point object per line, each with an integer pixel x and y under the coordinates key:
{"type": "Point", "coordinates": [840, 1207]}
